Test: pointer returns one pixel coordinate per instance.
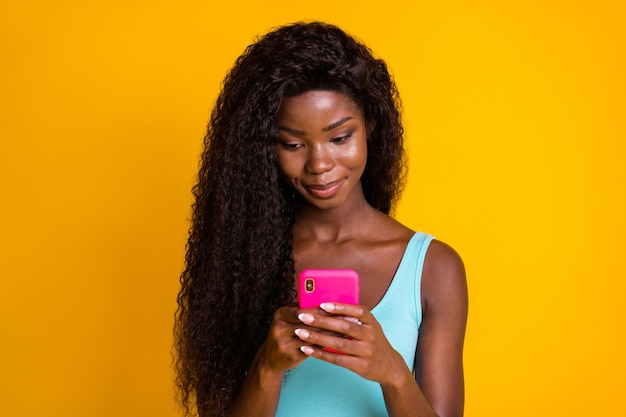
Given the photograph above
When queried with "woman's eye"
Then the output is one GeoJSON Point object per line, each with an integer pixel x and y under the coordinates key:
{"type": "Point", "coordinates": [290, 146]}
{"type": "Point", "coordinates": [341, 138]}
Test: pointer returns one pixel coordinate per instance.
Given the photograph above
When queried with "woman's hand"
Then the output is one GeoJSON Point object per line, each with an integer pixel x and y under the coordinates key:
{"type": "Point", "coordinates": [279, 352]}
{"type": "Point", "coordinates": [352, 330]}
{"type": "Point", "coordinates": [281, 349]}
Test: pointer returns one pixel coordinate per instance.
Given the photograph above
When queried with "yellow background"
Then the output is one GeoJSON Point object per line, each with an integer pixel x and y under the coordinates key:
{"type": "Point", "coordinates": [515, 118]}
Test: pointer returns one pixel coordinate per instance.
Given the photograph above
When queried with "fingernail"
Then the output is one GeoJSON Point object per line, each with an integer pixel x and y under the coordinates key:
{"type": "Point", "coordinates": [306, 318]}
{"type": "Point", "coordinates": [307, 350]}
{"type": "Point", "coordinates": [328, 307]}
{"type": "Point", "coordinates": [303, 334]}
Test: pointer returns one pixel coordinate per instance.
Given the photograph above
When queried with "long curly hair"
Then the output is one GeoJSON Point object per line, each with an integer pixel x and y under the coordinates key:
{"type": "Point", "coordinates": [238, 266]}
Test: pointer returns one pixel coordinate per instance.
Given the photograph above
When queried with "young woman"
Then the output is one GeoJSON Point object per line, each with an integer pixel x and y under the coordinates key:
{"type": "Point", "coordinates": [303, 163]}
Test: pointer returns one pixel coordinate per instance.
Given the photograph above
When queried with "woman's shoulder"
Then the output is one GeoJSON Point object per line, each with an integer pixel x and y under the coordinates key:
{"type": "Point", "coordinates": [386, 228]}
{"type": "Point", "coordinates": [441, 258]}
{"type": "Point", "coordinates": [443, 276]}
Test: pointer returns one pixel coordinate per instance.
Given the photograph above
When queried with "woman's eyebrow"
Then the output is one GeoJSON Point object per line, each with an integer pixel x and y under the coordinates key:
{"type": "Point", "coordinates": [336, 124]}
{"type": "Point", "coordinates": [325, 129]}
{"type": "Point", "coordinates": [292, 131]}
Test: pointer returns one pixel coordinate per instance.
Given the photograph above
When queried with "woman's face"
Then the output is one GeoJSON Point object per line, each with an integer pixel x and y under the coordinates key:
{"type": "Point", "coordinates": [322, 146]}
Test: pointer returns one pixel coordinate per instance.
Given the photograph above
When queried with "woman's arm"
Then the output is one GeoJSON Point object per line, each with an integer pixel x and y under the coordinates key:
{"type": "Point", "coordinates": [439, 355]}
{"type": "Point", "coordinates": [439, 370]}
{"type": "Point", "coordinates": [368, 353]}
{"type": "Point", "coordinates": [258, 397]}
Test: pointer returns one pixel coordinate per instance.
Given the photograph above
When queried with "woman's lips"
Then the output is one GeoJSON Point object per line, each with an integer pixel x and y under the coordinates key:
{"type": "Point", "coordinates": [324, 191]}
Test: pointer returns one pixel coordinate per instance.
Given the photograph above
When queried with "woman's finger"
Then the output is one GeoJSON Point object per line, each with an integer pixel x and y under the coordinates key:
{"type": "Point", "coordinates": [358, 311]}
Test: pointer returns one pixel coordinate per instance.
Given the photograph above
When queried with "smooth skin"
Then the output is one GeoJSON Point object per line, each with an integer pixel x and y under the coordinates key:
{"type": "Point", "coordinates": [322, 152]}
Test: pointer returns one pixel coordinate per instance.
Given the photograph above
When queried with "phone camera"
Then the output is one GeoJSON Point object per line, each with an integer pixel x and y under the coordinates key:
{"type": "Point", "coordinates": [309, 285]}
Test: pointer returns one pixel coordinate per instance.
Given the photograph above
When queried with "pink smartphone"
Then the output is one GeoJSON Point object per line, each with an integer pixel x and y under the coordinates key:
{"type": "Point", "coordinates": [317, 286]}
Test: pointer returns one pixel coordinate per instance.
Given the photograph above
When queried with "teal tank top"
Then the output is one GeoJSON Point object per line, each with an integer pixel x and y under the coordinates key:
{"type": "Point", "coordinates": [317, 388]}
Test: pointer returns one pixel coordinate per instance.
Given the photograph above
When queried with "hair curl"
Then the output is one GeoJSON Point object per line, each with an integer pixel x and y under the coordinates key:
{"type": "Point", "coordinates": [238, 266]}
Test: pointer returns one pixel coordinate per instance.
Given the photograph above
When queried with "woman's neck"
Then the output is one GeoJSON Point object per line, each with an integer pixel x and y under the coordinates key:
{"type": "Point", "coordinates": [346, 222]}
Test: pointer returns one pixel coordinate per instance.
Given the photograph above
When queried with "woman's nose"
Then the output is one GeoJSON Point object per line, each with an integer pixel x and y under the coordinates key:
{"type": "Point", "coordinates": [319, 159]}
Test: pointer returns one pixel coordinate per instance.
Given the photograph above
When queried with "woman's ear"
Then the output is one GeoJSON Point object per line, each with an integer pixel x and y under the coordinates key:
{"type": "Point", "coordinates": [370, 124]}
